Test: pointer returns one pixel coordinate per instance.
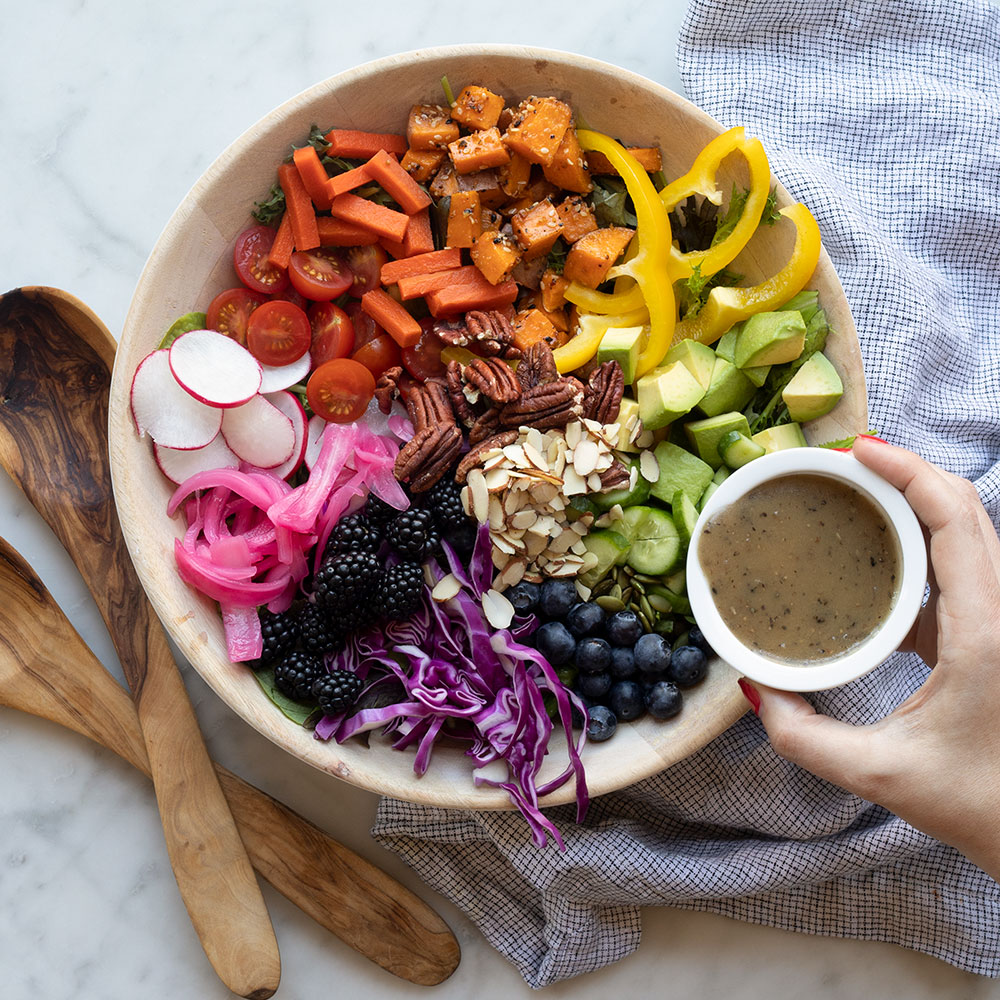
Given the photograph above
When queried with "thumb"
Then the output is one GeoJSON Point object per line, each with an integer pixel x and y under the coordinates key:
{"type": "Point", "coordinates": [835, 751]}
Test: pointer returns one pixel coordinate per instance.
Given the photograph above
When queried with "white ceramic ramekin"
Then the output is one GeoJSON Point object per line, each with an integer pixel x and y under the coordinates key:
{"type": "Point", "coordinates": [815, 675]}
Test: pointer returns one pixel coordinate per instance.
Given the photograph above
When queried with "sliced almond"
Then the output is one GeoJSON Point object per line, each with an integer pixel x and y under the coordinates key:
{"type": "Point", "coordinates": [583, 591]}
{"type": "Point", "coordinates": [493, 461]}
{"type": "Point", "coordinates": [512, 573]}
{"type": "Point", "coordinates": [534, 438]}
{"type": "Point", "coordinates": [644, 439]}
{"type": "Point", "coordinates": [514, 453]}
{"type": "Point", "coordinates": [649, 467]}
{"type": "Point", "coordinates": [464, 496]}
{"type": "Point", "coordinates": [574, 433]}
{"type": "Point", "coordinates": [524, 518]}
{"type": "Point", "coordinates": [535, 457]}
{"type": "Point", "coordinates": [498, 610]}
{"type": "Point", "coordinates": [480, 495]}
{"type": "Point", "coordinates": [633, 477]}
{"type": "Point", "coordinates": [495, 513]}
{"type": "Point", "coordinates": [590, 560]}
{"type": "Point", "coordinates": [573, 483]}
{"type": "Point", "coordinates": [594, 482]}
{"type": "Point", "coordinates": [446, 588]}
{"type": "Point", "coordinates": [496, 479]}
{"type": "Point", "coordinates": [585, 457]}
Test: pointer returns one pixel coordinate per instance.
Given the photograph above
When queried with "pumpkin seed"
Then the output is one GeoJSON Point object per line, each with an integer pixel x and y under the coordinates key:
{"type": "Point", "coordinates": [646, 609]}
{"type": "Point", "coordinates": [646, 624]}
{"type": "Point", "coordinates": [609, 603]}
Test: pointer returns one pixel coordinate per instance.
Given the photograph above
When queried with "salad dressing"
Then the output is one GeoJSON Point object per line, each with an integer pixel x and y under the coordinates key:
{"type": "Point", "coordinates": [802, 568]}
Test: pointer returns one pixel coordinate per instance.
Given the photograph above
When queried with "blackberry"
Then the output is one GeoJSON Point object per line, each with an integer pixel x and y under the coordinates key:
{"type": "Point", "coordinates": [409, 532]}
{"type": "Point", "coordinates": [337, 691]}
{"type": "Point", "coordinates": [280, 633]}
{"type": "Point", "coordinates": [444, 500]}
{"type": "Point", "coordinates": [346, 582]}
{"type": "Point", "coordinates": [316, 632]}
{"type": "Point", "coordinates": [463, 539]}
{"type": "Point", "coordinates": [400, 591]}
{"type": "Point", "coordinates": [295, 675]}
{"type": "Point", "coordinates": [378, 512]}
{"type": "Point", "coordinates": [353, 533]}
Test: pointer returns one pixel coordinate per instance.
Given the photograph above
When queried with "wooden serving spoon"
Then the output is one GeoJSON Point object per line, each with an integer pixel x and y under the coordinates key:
{"type": "Point", "coordinates": [55, 373]}
{"type": "Point", "coordinates": [46, 669]}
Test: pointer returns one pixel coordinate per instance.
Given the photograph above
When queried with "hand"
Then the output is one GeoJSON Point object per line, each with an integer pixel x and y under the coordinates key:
{"type": "Point", "coordinates": [935, 761]}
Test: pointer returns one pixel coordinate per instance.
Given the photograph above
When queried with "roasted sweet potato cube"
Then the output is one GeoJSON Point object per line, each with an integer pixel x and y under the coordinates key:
{"type": "Point", "coordinates": [515, 176]}
{"type": "Point", "coordinates": [552, 289]}
{"type": "Point", "coordinates": [536, 229]}
{"type": "Point", "coordinates": [648, 156]}
{"type": "Point", "coordinates": [538, 190]}
{"type": "Point", "coordinates": [577, 218]}
{"type": "Point", "coordinates": [532, 326]}
{"type": "Point", "coordinates": [445, 181]}
{"type": "Point", "coordinates": [568, 169]}
{"type": "Point", "coordinates": [592, 256]}
{"type": "Point", "coordinates": [478, 151]}
{"type": "Point", "coordinates": [422, 164]}
{"type": "Point", "coordinates": [465, 218]}
{"type": "Point", "coordinates": [495, 254]}
{"type": "Point", "coordinates": [430, 126]}
{"type": "Point", "coordinates": [537, 128]}
{"type": "Point", "coordinates": [477, 108]}
{"type": "Point", "coordinates": [559, 318]}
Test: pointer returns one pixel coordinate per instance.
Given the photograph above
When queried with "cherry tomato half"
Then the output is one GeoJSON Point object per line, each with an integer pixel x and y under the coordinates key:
{"type": "Point", "coordinates": [230, 310]}
{"type": "Point", "coordinates": [365, 328]}
{"type": "Point", "coordinates": [378, 354]}
{"type": "Point", "coordinates": [320, 274]}
{"type": "Point", "coordinates": [423, 359]}
{"type": "Point", "coordinates": [278, 333]}
{"type": "Point", "coordinates": [340, 390]}
{"type": "Point", "coordinates": [250, 259]}
{"type": "Point", "coordinates": [332, 333]}
{"type": "Point", "coordinates": [366, 264]}
{"type": "Point", "coordinates": [288, 294]}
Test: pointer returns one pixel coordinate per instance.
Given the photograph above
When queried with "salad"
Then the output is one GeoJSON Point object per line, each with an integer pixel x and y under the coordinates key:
{"type": "Point", "coordinates": [440, 447]}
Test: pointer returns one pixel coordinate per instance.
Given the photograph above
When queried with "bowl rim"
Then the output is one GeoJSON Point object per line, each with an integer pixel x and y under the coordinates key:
{"type": "Point", "coordinates": [865, 655]}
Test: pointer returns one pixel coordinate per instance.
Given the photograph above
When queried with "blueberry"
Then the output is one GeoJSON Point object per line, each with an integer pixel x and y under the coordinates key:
{"type": "Point", "coordinates": [554, 641]}
{"type": "Point", "coordinates": [623, 628]}
{"type": "Point", "coordinates": [585, 618]}
{"type": "Point", "coordinates": [594, 685]}
{"type": "Point", "coordinates": [601, 723]}
{"type": "Point", "coordinates": [625, 699]}
{"type": "Point", "coordinates": [697, 638]}
{"type": "Point", "coordinates": [688, 666]}
{"type": "Point", "coordinates": [622, 663]}
{"type": "Point", "coordinates": [556, 597]}
{"type": "Point", "coordinates": [663, 699]}
{"type": "Point", "coordinates": [593, 655]}
{"type": "Point", "coordinates": [524, 596]}
{"type": "Point", "coordinates": [652, 653]}
{"type": "Point", "coordinates": [578, 717]}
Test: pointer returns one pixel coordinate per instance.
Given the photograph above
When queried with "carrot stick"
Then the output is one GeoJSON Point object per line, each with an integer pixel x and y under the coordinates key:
{"type": "Point", "coordinates": [391, 316]}
{"type": "Point", "coordinates": [419, 237]}
{"type": "Point", "coordinates": [284, 244]}
{"type": "Point", "coordinates": [397, 183]}
{"type": "Point", "coordinates": [313, 174]}
{"type": "Point", "coordinates": [355, 145]}
{"type": "Point", "coordinates": [338, 233]}
{"type": "Point", "coordinates": [340, 184]}
{"type": "Point", "coordinates": [461, 298]}
{"type": "Point", "coordinates": [417, 285]}
{"type": "Point", "coordinates": [424, 263]}
{"type": "Point", "coordinates": [386, 222]}
{"type": "Point", "coordinates": [299, 207]}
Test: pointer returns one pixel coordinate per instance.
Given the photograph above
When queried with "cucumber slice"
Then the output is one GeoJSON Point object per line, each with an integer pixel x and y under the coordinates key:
{"type": "Point", "coordinates": [610, 547]}
{"type": "Point", "coordinates": [707, 495]}
{"type": "Point", "coordinates": [656, 544]}
{"type": "Point", "coordinates": [736, 449]}
{"type": "Point", "coordinates": [685, 515]}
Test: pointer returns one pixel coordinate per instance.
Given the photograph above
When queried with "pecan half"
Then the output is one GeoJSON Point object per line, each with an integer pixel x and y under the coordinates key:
{"type": "Point", "coordinates": [428, 405]}
{"type": "Point", "coordinates": [551, 405]}
{"type": "Point", "coordinates": [537, 367]}
{"type": "Point", "coordinates": [493, 378]}
{"type": "Point", "coordinates": [615, 476]}
{"type": "Point", "coordinates": [492, 332]}
{"type": "Point", "coordinates": [456, 393]}
{"type": "Point", "coordinates": [428, 455]}
{"type": "Point", "coordinates": [485, 425]}
{"type": "Point", "coordinates": [451, 332]}
{"type": "Point", "coordinates": [602, 399]}
{"type": "Point", "coordinates": [474, 457]}
{"type": "Point", "coordinates": [387, 388]}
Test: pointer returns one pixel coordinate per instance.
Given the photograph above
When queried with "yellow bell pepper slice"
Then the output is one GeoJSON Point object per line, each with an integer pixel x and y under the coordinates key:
{"type": "Point", "coordinates": [728, 305]}
{"type": "Point", "coordinates": [583, 345]}
{"type": "Point", "coordinates": [649, 264]}
{"type": "Point", "coordinates": [702, 179]}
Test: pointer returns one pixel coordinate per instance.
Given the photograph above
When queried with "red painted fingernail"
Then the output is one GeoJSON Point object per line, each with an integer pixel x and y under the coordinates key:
{"type": "Point", "coordinates": [874, 437]}
{"type": "Point", "coordinates": [751, 694]}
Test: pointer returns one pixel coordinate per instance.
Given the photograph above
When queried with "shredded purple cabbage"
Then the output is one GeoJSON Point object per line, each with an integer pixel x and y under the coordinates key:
{"type": "Point", "coordinates": [473, 683]}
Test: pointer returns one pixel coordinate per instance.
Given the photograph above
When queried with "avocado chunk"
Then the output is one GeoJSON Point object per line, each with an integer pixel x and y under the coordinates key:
{"type": "Point", "coordinates": [729, 389]}
{"type": "Point", "coordinates": [622, 344]}
{"type": "Point", "coordinates": [725, 348]}
{"type": "Point", "coordinates": [624, 496]}
{"type": "Point", "coordinates": [814, 390]}
{"type": "Point", "coordinates": [705, 435]}
{"type": "Point", "coordinates": [667, 393]}
{"type": "Point", "coordinates": [780, 437]}
{"type": "Point", "coordinates": [697, 358]}
{"type": "Point", "coordinates": [770, 338]}
{"type": "Point", "coordinates": [679, 470]}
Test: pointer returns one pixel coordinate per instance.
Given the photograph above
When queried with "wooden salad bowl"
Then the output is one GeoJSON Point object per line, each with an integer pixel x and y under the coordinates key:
{"type": "Point", "coordinates": [192, 262]}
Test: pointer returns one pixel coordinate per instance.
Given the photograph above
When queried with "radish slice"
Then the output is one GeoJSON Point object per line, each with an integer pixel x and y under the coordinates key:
{"type": "Point", "coordinates": [259, 433]}
{"type": "Point", "coordinates": [214, 368]}
{"type": "Point", "coordinates": [163, 410]}
{"type": "Point", "coordinates": [177, 465]}
{"type": "Point", "coordinates": [314, 439]}
{"type": "Point", "coordinates": [293, 409]}
{"type": "Point", "coordinates": [280, 377]}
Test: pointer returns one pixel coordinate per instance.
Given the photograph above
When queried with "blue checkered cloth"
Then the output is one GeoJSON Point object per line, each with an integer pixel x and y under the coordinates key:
{"type": "Point", "coordinates": [884, 118]}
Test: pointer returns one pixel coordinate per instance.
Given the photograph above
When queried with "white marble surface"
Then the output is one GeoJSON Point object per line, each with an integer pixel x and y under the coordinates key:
{"type": "Point", "coordinates": [88, 905]}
